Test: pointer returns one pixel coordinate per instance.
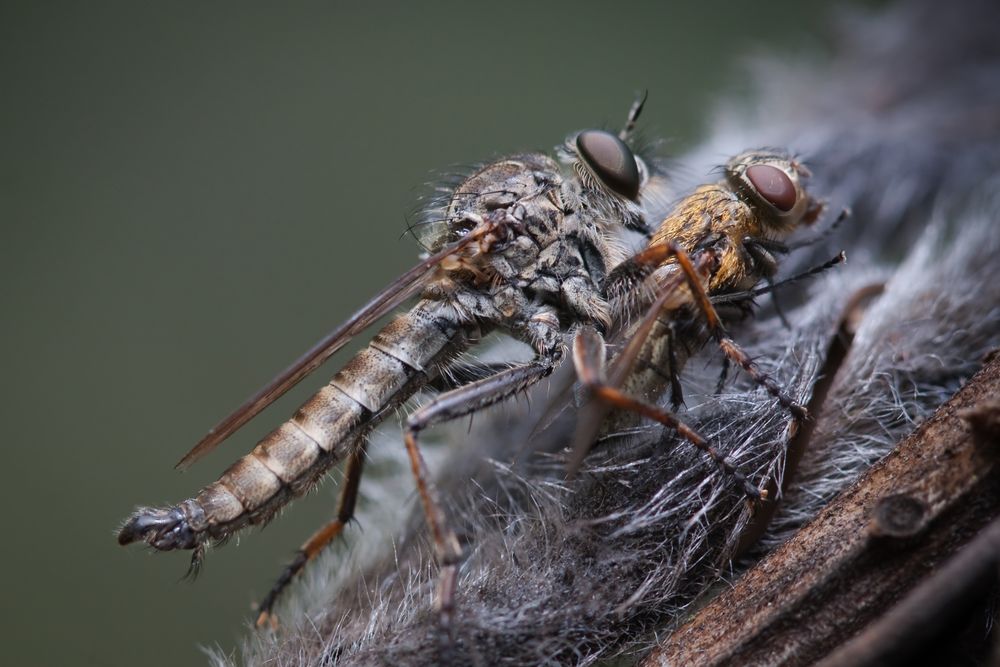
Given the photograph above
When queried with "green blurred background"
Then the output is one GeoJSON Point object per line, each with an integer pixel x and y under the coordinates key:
{"type": "Point", "coordinates": [190, 195]}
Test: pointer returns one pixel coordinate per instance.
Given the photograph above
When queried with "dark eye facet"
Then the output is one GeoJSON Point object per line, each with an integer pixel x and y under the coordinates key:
{"type": "Point", "coordinates": [773, 185]}
{"type": "Point", "coordinates": [611, 160]}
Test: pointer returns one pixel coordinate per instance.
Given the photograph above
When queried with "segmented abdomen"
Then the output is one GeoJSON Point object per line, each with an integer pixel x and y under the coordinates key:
{"type": "Point", "coordinates": [287, 462]}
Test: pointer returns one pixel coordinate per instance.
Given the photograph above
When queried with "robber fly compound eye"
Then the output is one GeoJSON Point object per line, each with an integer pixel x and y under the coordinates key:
{"type": "Point", "coordinates": [611, 161]}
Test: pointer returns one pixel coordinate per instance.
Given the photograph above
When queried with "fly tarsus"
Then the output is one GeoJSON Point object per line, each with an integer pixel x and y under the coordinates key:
{"type": "Point", "coordinates": [738, 355]}
{"type": "Point", "coordinates": [265, 616]}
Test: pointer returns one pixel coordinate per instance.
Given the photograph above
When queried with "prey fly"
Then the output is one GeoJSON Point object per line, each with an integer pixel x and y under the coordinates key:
{"type": "Point", "coordinates": [709, 253]}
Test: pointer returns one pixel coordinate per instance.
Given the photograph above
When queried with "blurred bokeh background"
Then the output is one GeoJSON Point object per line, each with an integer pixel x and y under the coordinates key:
{"type": "Point", "coordinates": [191, 195]}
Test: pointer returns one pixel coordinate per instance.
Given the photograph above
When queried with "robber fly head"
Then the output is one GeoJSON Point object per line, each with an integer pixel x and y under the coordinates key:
{"type": "Point", "coordinates": [610, 176]}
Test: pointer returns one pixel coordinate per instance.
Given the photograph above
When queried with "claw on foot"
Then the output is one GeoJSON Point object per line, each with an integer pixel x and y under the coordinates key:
{"type": "Point", "coordinates": [164, 529]}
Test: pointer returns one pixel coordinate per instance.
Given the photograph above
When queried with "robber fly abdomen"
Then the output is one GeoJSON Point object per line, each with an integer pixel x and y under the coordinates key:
{"type": "Point", "coordinates": [320, 434]}
{"type": "Point", "coordinates": [475, 288]}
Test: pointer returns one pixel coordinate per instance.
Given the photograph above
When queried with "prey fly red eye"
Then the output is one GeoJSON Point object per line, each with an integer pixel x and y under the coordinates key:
{"type": "Point", "coordinates": [774, 186]}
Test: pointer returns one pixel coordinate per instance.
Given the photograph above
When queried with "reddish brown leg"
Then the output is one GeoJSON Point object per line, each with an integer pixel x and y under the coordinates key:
{"type": "Point", "coordinates": [446, 545]}
{"type": "Point", "coordinates": [629, 273]}
{"type": "Point", "coordinates": [637, 268]}
{"type": "Point", "coordinates": [588, 355]}
{"type": "Point", "coordinates": [320, 539]}
{"type": "Point", "coordinates": [733, 351]}
{"type": "Point", "coordinates": [728, 346]}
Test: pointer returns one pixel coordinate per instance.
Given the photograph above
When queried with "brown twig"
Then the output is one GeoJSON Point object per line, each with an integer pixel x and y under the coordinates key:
{"type": "Point", "coordinates": [965, 577]}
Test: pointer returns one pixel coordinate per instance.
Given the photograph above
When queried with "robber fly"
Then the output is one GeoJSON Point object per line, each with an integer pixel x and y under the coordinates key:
{"type": "Point", "coordinates": [520, 246]}
{"type": "Point", "coordinates": [714, 247]}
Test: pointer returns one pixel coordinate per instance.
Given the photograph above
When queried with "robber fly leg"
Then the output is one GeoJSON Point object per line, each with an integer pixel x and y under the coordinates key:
{"type": "Point", "coordinates": [634, 270]}
{"type": "Point", "coordinates": [319, 540]}
{"type": "Point", "coordinates": [588, 357]}
{"type": "Point", "coordinates": [446, 407]}
{"type": "Point", "coordinates": [620, 400]}
{"type": "Point", "coordinates": [461, 374]}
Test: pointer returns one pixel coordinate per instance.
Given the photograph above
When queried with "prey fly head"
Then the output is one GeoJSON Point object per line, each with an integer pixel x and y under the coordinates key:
{"type": "Point", "coordinates": [773, 185]}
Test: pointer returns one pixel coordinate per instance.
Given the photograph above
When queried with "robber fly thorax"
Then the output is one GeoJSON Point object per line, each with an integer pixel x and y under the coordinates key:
{"type": "Point", "coordinates": [714, 247]}
{"type": "Point", "coordinates": [520, 246]}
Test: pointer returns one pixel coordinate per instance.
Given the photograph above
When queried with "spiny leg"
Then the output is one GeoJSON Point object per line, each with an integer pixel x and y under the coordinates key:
{"type": "Point", "coordinates": [625, 277]}
{"type": "Point", "coordinates": [448, 406]}
{"type": "Point", "coordinates": [641, 265]}
{"type": "Point", "coordinates": [588, 352]}
{"type": "Point", "coordinates": [728, 346]}
{"type": "Point", "coordinates": [588, 356]}
{"type": "Point", "coordinates": [461, 374]}
{"type": "Point", "coordinates": [733, 351]}
{"type": "Point", "coordinates": [319, 539]}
